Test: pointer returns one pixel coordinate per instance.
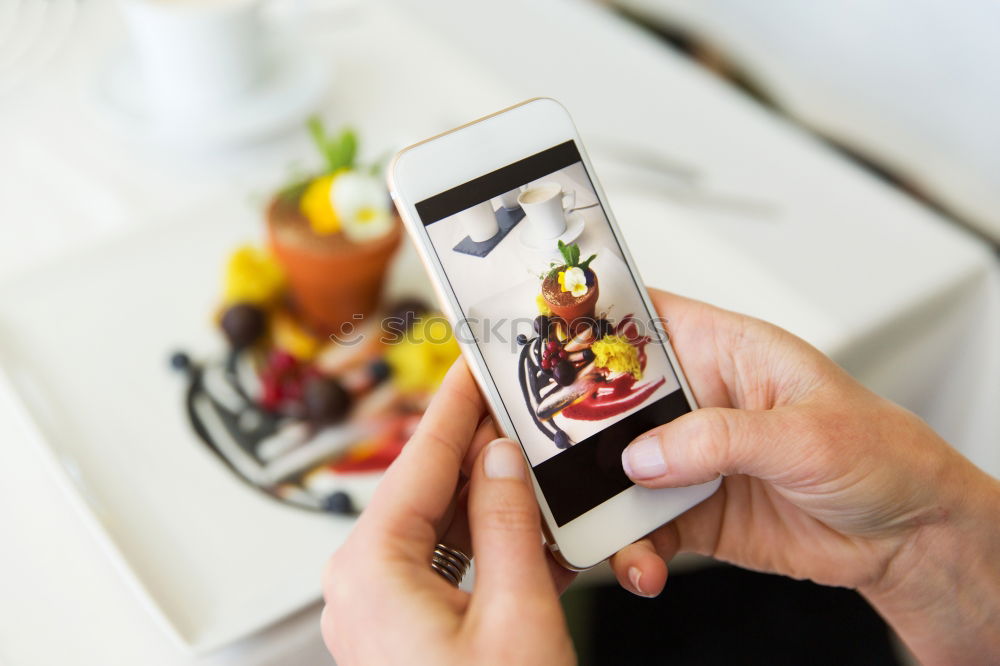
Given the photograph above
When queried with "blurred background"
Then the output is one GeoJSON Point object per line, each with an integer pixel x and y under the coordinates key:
{"type": "Point", "coordinates": [191, 198]}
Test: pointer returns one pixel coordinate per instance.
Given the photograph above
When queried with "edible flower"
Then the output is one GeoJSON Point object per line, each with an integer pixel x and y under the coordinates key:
{"type": "Point", "coordinates": [617, 355]}
{"type": "Point", "coordinates": [543, 306]}
{"type": "Point", "coordinates": [291, 336]}
{"type": "Point", "coordinates": [317, 205]}
{"type": "Point", "coordinates": [345, 197]}
{"type": "Point", "coordinates": [419, 362]}
{"type": "Point", "coordinates": [360, 203]}
{"type": "Point", "coordinates": [252, 276]}
{"type": "Point", "coordinates": [573, 280]}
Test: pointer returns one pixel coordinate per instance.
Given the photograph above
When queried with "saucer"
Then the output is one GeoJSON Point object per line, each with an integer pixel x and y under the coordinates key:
{"type": "Point", "coordinates": [291, 87]}
{"type": "Point", "coordinates": [574, 227]}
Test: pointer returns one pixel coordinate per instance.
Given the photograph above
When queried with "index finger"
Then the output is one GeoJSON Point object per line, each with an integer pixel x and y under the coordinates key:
{"type": "Point", "coordinates": [420, 485]}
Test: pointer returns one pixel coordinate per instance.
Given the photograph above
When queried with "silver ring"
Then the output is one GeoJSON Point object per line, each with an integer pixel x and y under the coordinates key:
{"type": "Point", "coordinates": [451, 563]}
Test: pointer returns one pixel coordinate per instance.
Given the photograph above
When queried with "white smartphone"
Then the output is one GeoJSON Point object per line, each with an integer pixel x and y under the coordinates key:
{"type": "Point", "coordinates": [551, 315]}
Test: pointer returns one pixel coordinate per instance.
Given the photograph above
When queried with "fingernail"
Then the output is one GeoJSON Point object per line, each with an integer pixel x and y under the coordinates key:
{"type": "Point", "coordinates": [634, 576]}
{"type": "Point", "coordinates": [643, 458]}
{"type": "Point", "coordinates": [503, 460]}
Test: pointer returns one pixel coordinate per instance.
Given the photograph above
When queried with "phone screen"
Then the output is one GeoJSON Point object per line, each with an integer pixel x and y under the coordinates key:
{"type": "Point", "coordinates": [547, 297]}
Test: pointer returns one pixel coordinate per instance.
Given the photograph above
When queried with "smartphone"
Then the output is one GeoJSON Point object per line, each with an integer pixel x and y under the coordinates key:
{"type": "Point", "coordinates": [551, 315]}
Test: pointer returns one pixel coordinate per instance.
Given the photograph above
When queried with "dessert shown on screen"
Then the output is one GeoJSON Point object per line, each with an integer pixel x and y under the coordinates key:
{"type": "Point", "coordinates": [559, 321]}
{"type": "Point", "coordinates": [580, 364]}
{"type": "Point", "coordinates": [570, 290]}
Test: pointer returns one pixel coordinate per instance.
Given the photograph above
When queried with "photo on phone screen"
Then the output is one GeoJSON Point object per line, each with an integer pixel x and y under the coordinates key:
{"type": "Point", "coordinates": [546, 295]}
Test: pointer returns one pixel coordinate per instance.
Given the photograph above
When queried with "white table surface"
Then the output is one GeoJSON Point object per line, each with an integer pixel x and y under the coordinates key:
{"type": "Point", "coordinates": [908, 303]}
{"type": "Point", "coordinates": [910, 84]}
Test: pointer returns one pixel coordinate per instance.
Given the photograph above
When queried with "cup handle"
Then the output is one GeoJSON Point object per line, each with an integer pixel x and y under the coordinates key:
{"type": "Point", "coordinates": [569, 200]}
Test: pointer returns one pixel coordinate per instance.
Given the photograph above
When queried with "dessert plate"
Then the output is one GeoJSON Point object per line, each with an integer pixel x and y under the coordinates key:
{"type": "Point", "coordinates": [574, 227]}
{"type": "Point", "coordinates": [85, 344]}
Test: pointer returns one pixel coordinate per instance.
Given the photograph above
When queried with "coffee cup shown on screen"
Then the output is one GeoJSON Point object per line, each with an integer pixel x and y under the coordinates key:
{"type": "Point", "coordinates": [545, 205]}
{"type": "Point", "coordinates": [480, 222]}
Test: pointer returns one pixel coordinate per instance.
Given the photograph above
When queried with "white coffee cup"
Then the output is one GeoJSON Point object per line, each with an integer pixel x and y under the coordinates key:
{"type": "Point", "coordinates": [545, 205]}
{"type": "Point", "coordinates": [507, 199]}
{"type": "Point", "coordinates": [195, 56]}
{"type": "Point", "coordinates": [480, 222]}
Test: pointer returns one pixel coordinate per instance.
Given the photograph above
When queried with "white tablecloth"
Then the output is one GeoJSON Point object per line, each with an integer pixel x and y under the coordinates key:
{"type": "Point", "coordinates": [908, 303]}
{"type": "Point", "coordinates": [910, 84]}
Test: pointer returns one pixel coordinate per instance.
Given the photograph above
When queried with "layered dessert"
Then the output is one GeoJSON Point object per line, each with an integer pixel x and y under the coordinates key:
{"type": "Point", "coordinates": [334, 234]}
{"type": "Point", "coordinates": [570, 290]}
{"type": "Point", "coordinates": [333, 280]}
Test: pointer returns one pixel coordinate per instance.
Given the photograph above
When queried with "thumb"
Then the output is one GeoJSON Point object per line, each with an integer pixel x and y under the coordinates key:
{"type": "Point", "coordinates": [503, 517]}
{"type": "Point", "coordinates": [705, 443]}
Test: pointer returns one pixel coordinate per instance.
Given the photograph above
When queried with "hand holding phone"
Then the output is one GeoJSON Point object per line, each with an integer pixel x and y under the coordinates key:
{"type": "Point", "coordinates": [797, 501]}
{"type": "Point", "coordinates": [551, 315]}
{"type": "Point", "coordinates": [384, 603]}
{"type": "Point", "coordinates": [825, 480]}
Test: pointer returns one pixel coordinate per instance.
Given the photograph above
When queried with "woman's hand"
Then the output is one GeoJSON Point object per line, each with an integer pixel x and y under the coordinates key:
{"type": "Point", "coordinates": [824, 480]}
{"type": "Point", "coordinates": [385, 605]}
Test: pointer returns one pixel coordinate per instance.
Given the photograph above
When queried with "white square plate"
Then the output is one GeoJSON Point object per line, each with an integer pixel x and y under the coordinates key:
{"type": "Point", "coordinates": [85, 343]}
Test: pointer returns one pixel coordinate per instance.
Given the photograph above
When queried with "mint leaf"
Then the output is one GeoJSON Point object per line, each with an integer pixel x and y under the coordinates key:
{"type": "Point", "coordinates": [570, 253]}
{"type": "Point", "coordinates": [566, 253]}
{"type": "Point", "coordinates": [347, 149]}
{"type": "Point", "coordinates": [586, 263]}
{"type": "Point", "coordinates": [316, 131]}
{"type": "Point", "coordinates": [338, 152]}
{"type": "Point", "coordinates": [318, 134]}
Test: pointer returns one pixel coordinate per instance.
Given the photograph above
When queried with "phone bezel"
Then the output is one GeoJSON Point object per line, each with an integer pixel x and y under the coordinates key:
{"type": "Point", "coordinates": [467, 152]}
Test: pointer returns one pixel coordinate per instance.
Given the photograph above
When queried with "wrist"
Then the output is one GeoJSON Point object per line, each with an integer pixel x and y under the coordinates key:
{"type": "Point", "coordinates": [941, 589]}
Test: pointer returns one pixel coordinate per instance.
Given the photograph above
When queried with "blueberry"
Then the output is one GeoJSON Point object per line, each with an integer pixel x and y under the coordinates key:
{"type": "Point", "coordinates": [522, 339]}
{"type": "Point", "coordinates": [408, 308]}
{"type": "Point", "coordinates": [180, 361]}
{"type": "Point", "coordinates": [403, 314]}
{"type": "Point", "coordinates": [380, 370]}
{"type": "Point", "coordinates": [339, 503]}
{"type": "Point", "coordinates": [565, 373]}
{"type": "Point", "coordinates": [603, 327]}
{"type": "Point", "coordinates": [588, 355]}
{"type": "Point", "coordinates": [326, 400]}
{"type": "Point", "coordinates": [243, 324]}
{"type": "Point", "coordinates": [561, 440]}
{"type": "Point", "coordinates": [542, 325]}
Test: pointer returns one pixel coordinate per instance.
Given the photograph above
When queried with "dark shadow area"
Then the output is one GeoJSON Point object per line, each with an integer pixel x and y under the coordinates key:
{"type": "Point", "coordinates": [725, 615]}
